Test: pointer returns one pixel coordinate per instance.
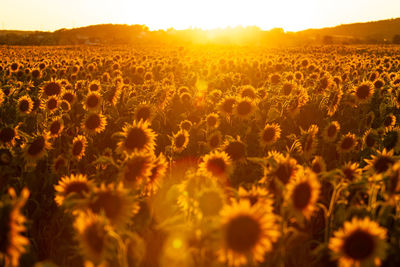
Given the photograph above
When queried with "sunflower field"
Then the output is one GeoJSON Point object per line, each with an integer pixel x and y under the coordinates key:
{"type": "Point", "coordinates": [199, 156]}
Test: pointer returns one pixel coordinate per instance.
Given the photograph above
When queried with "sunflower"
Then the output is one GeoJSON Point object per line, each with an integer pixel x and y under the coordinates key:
{"type": "Point", "coordinates": [248, 232]}
{"type": "Point", "coordinates": [226, 105]}
{"type": "Point", "coordinates": [389, 122]}
{"type": "Point", "coordinates": [363, 92]}
{"type": "Point", "coordinates": [6, 156]}
{"type": "Point", "coordinates": [212, 120]}
{"type": "Point", "coordinates": [36, 148]}
{"type": "Point", "coordinates": [361, 242]}
{"type": "Point", "coordinates": [78, 148]}
{"type": "Point", "coordinates": [51, 103]}
{"type": "Point", "coordinates": [283, 168]}
{"type": "Point", "coordinates": [347, 143]}
{"type": "Point", "coordinates": [370, 138]}
{"type": "Point", "coordinates": [117, 204]}
{"type": "Point", "coordinates": [393, 181]}
{"type": "Point", "coordinates": [52, 88]}
{"type": "Point", "coordinates": [248, 91]}
{"type": "Point", "coordinates": [351, 171]}
{"type": "Point", "coordinates": [244, 107]}
{"type": "Point", "coordinates": [12, 242]}
{"type": "Point", "coordinates": [185, 125]}
{"type": "Point", "coordinates": [180, 140]}
{"type": "Point", "coordinates": [94, 123]}
{"type": "Point", "coordinates": [318, 165]}
{"type": "Point", "coordinates": [56, 127]}
{"type": "Point", "coordinates": [333, 97]}
{"type": "Point", "coordinates": [392, 139]}
{"type": "Point", "coordinates": [93, 236]}
{"type": "Point", "coordinates": [217, 164]}
{"type": "Point", "coordinates": [69, 96]}
{"type": "Point", "coordinates": [8, 135]}
{"type": "Point", "coordinates": [59, 164]}
{"type": "Point", "coordinates": [310, 141]}
{"type": "Point", "coordinates": [303, 192]}
{"type": "Point", "coordinates": [257, 195]}
{"type": "Point", "coordinates": [235, 149]}
{"type": "Point", "coordinates": [136, 169]}
{"type": "Point", "coordinates": [25, 105]}
{"type": "Point", "coordinates": [158, 172]}
{"type": "Point", "coordinates": [137, 137]}
{"type": "Point", "coordinates": [380, 163]}
{"type": "Point", "coordinates": [94, 86]}
{"type": "Point", "coordinates": [93, 101]}
{"type": "Point", "coordinates": [144, 111]}
{"type": "Point", "coordinates": [75, 186]}
{"type": "Point", "coordinates": [214, 140]}
{"type": "Point", "coordinates": [331, 131]}
{"type": "Point", "coordinates": [209, 202]}
{"type": "Point", "coordinates": [270, 134]}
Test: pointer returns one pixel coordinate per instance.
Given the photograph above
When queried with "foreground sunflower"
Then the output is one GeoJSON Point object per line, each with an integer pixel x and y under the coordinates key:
{"type": "Point", "coordinates": [216, 164]}
{"type": "Point", "coordinates": [12, 241]}
{"type": "Point", "coordinates": [270, 134]}
{"type": "Point", "coordinates": [248, 233]}
{"type": "Point", "coordinates": [302, 193]}
{"type": "Point", "coordinates": [361, 242]}
{"type": "Point", "coordinates": [137, 137]}
{"type": "Point", "coordinates": [136, 170]}
{"type": "Point", "coordinates": [94, 123]}
{"type": "Point", "coordinates": [93, 236]}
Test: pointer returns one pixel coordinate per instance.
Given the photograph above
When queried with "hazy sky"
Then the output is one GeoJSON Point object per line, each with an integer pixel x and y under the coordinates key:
{"type": "Point", "coordinates": [291, 15]}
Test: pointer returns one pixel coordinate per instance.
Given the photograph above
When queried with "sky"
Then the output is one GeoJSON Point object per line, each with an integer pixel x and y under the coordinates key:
{"type": "Point", "coordinates": [291, 15]}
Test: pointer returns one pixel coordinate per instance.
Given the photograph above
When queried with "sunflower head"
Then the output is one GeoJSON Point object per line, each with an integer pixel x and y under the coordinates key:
{"type": "Point", "coordinates": [137, 137]}
{"type": "Point", "coordinates": [72, 187]}
{"type": "Point", "coordinates": [52, 88]}
{"type": "Point", "coordinates": [244, 107]}
{"type": "Point", "coordinates": [361, 242]}
{"type": "Point", "coordinates": [270, 134]}
{"type": "Point", "coordinates": [94, 123]}
{"type": "Point", "coordinates": [180, 140]}
{"type": "Point", "coordinates": [36, 148]}
{"type": "Point", "coordinates": [347, 143]}
{"type": "Point", "coordinates": [363, 92]}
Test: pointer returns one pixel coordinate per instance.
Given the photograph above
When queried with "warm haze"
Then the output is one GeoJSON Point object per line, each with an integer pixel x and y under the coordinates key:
{"type": "Point", "coordinates": [291, 15]}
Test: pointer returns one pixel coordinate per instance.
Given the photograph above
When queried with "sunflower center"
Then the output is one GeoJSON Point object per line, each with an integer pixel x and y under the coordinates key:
{"type": "Point", "coordinates": [244, 108]}
{"type": "Point", "coordinates": [363, 91]}
{"type": "Point", "coordinates": [242, 233]}
{"type": "Point", "coordinates": [94, 236]}
{"type": "Point", "coordinates": [331, 131]}
{"type": "Point", "coordinates": [216, 166]}
{"type": "Point", "coordinates": [227, 105]}
{"type": "Point", "coordinates": [180, 140]}
{"type": "Point", "coordinates": [347, 143]}
{"type": "Point", "coordinates": [316, 167]}
{"type": "Point", "coordinates": [284, 172]}
{"type": "Point", "coordinates": [211, 121]}
{"type": "Point", "coordinates": [24, 105]}
{"type": "Point", "coordinates": [36, 146]}
{"type": "Point", "coordinates": [7, 134]}
{"type": "Point", "coordinates": [143, 114]}
{"type": "Point", "coordinates": [136, 138]}
{"type": "Point", "coordinates": [92, 101]}
{"type": "Point", "coordinates": [382, 164]}
{"type": "Point", "coordinates": [214, 141]}
{"type": "Point", "coordinates": [55, 127]}
{"type": "Point", "coordinates": [235, 150]}
{"type": "Point", "coordinates": [77, 148]}
{"type": "Point", "coordinates": [76, 187]}
{"type": "Point", "coordinates": [93, 122]}
{"type": "Point", "coordinates": [69, 97]}
{"type": "Point", "coordinates": [52, 104]}
{"type": "Point", "coordinates": [52, 88]}
{"type": "Point", "coordinates": [301, 195]}
{"type": "Point", "coordinates": [269, 134]}
{"type": "Point", "coordinates": [359, 245]}
{"type": "Point", "coordinates": [370, 140]}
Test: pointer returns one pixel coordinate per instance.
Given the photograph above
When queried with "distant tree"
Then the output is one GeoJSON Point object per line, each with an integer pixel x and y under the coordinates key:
{"type": "Point", "coordinates": [396, 39]}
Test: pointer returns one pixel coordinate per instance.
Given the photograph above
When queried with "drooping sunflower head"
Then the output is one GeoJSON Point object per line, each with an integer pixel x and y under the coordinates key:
{"type": "Point", "coordinates": [226, 105]}
{"type": "Point", "coordinates": [94, 123]}
{"type": "Point", "coordinates": [78, 148]}
{"type": "Point", "coordinates": [257, 195]}
{"type": "Point", "coordinates": [361, 242]}
{"type": "Point", "coordinates": [310, 141]}
{"type": "Point", "coordinates": [235, 149]}
{"type": "Point", "coordinates": [137, 137]}
{"type": "Point", "coordinates": [214, 140]}
{"type": "Point", "coordinates": [351, 171]}
{"type": "Point", "coordinates": [248, 232]}
{"type": "Point", "coordinates": [389, 122]}
{"type": "Point", "coordinates": [158, 172]}
{"type": "Point", "coordinates": [8, 135]}
{"type": "Point", "coordinates": [144, 111]}
{"type": "Point", "coordinates": [318, 165]}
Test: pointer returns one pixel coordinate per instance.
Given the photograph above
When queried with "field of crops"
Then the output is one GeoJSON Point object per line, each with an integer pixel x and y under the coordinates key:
{"type": "Point", "coordinates": [199, 156]}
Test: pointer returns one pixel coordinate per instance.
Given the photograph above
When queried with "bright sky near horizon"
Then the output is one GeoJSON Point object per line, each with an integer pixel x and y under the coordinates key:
{"type": "Point", "coordinates": [291, 15]}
